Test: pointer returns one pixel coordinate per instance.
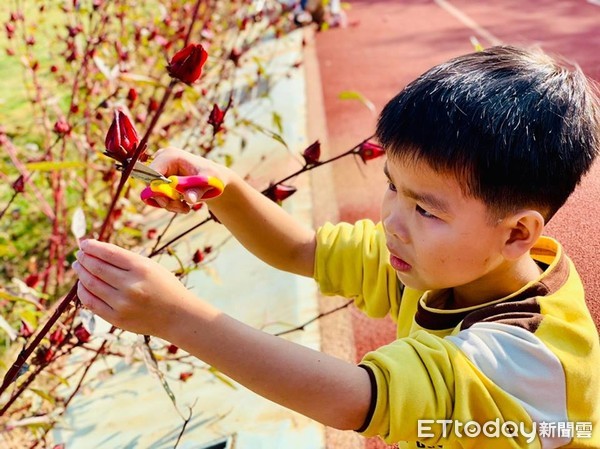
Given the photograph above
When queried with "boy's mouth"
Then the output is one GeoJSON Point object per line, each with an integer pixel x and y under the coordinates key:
{"type": "Point", "coordinates": [399, 264]}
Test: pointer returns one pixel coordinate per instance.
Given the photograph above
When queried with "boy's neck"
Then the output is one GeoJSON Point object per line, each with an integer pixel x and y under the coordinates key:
{"type": "Point", "coordinates": [502, 282]}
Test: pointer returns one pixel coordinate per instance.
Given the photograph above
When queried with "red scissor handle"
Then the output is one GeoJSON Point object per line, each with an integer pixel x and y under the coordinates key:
{"type": "Point", "coordinates": [178, 185]}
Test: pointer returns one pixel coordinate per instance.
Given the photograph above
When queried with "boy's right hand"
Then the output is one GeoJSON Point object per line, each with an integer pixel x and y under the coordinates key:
{"type": "Point", "coordinates": [174, 161]}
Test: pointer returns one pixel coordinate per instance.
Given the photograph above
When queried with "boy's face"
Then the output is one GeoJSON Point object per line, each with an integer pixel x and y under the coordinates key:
{"type": "Point", "coordinates": [439, 238]}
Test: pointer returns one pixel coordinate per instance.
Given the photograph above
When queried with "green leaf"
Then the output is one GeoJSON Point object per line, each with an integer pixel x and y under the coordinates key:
{"type": "Point", "coordinates": [357, 96]}
{"type": "Point", "coordinates": [228, 160]}
{"type": "Point", "coordinates": [8, 297]}
{"type": "Point", "coordinates": [277, 122]}
{"type": "Point", "coordinates": [51, 166]}
{"type": "Point", "coordinates": [44, 395]}
{"type": "Point", "coordinates": [263, 130]}
{"type": "Point", "coordinates": [137, 78]}
{"type": "Point", "coordinates": [215, 372]}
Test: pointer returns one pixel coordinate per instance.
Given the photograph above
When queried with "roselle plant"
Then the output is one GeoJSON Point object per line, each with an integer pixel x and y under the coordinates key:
{"type": "Point", "coordinates": [108, 82]}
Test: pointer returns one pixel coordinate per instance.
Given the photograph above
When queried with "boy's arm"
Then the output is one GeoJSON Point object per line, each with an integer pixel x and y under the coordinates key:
{"type": "Point", "coordinates": [263, 227]}
{"type": "Point", "coordinates": [137, 294]}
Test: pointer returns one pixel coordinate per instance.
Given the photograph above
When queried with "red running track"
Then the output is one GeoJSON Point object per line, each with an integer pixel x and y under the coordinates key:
{"type": "Point", "coordinates": [388, 43]}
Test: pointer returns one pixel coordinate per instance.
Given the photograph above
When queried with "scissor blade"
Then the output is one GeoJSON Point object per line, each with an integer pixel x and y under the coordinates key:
{"type": "Point", "coordinates": [145, 173]}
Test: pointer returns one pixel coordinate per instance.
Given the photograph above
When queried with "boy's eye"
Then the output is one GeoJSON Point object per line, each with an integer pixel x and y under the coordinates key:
{"type": "Point", "coordinates": [391, 186]}
{"type": "Point", "coordinates": [423, 212]}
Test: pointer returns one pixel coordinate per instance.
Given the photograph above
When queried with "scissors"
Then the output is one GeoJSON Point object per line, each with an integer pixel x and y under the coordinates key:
{"type": "Point", "coordinates": [172, 187]}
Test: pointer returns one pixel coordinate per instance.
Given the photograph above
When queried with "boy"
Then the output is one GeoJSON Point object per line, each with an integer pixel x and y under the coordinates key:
{"type": "Point", "coordinates": [495, 347]}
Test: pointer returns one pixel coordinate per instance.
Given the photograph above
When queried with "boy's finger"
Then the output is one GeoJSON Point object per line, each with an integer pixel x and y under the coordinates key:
{"type": "Point", "coordinates": [92, 284]}
{"type": "Point", "coordinates": [92, 302]}
{"type": "Point", "coordinates": [119, 257]}
{"type": "Point", "coordinates": [103, 270]}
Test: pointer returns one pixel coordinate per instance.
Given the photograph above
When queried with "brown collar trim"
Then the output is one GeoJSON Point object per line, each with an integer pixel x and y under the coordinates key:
{"type": "Point", "coordinates": [550, 281]}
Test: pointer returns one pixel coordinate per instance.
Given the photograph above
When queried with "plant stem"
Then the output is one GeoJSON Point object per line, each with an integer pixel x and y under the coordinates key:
{"type": "Point", "coordinates": [16, 367]}
{"type": "Point", "coordinates": [306, 168]}
{"type": "Point", "coordinates": [8, 205]}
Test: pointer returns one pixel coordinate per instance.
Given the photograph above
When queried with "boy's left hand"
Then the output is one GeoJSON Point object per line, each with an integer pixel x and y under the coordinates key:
{"type": "Point", "coordinates": [129, 290]}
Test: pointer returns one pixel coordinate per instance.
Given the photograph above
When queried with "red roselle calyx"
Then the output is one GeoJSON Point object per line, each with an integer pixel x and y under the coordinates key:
{"type": "Point", "coordinates": [122, 138]}
{"type": "Point", "coordinates": [312, 153]}
{"type": "Point", "coordinates": [198, 256]}
{"type": "Point", "coordinates": [19, 185]}
{"type": "Point", "coordinates": [82, 334]}
{"type": "Point", "coordinates": [132, 95]}
{"type": "Point", "coordinates": [280, 192]}
{"type": "Point", "coordinates": [185, 375]}
{"type": "Point", "coordinates": [62, 127]}
{"type": "Point", "coordinates": [216, 117]}
{"type": "Point", "coordinates": [26, 329]}
{"type": "Point", "coordinates": [369, 150]}
{"type": "Point", "coordinates": [186, 65]}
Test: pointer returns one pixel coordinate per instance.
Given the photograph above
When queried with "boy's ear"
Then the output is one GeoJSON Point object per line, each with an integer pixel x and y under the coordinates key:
{"type": "Point", "coordinates": [523, 230]}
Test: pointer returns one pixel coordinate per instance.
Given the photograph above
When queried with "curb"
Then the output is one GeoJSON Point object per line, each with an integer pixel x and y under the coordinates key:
{"type": "Point", "coordinates": [337, 336]}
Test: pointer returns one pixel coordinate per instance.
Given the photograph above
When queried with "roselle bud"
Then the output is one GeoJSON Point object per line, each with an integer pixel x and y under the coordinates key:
{"type": "Point", "coordinates": [280, 192]}
{"type": "Point", "coordinates": [15, 16]}
{"type": "Point", "coordinates": [312, 153]}
{"type": "Point", "coordinates": [10, 30]}
{"type": "Point", "coordinates": [369, 150]}
{"type": "Point", "coordinates": [19, 185]}
{"type": "Point", "coordinates": [185, 375]}
{"type": "Point", "coordinates": [62, 127]}
{"type": "Point", "coordinates": [122, 138]}
{"type": "Point", "coordinates": [235, 56]}
{"type": "Point", "coordinates": [43, 356]}
{"type": "Point", "coordinates": [153, 105]}
{"type": "Point", "coordinates": [32, 280]}
{"type": "Point", "coordinates": [57, 337]}
{"type": "Point", "coordinates": [26, 329]}
{"type": "Point", "coordinates": [198, 256]}
{"type": "Point", "coordinates": [216, 118]}
{"type": "Point", "coordinates": [82, 334]}
{"type": "Point", "coordinates": [186, 65]}
{"type": "Point", "coordinates": [132, 95]}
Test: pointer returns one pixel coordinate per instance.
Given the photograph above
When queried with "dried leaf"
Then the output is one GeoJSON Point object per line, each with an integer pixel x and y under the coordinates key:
{"type": "Point", "coordinates": [109, 73]}
{"type": "Point", "coordinates": [152, 365]}
{"type": "Point", "coordinates": [78, 225]}
{"type": "Point", "coordinates": [88, 320]}
{"type": "Point", "coordinates": [12, 334]}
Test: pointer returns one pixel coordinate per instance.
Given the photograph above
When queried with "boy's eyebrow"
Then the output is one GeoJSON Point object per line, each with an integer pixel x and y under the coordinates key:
{"type": "Point", "coordinates": [431, 200]}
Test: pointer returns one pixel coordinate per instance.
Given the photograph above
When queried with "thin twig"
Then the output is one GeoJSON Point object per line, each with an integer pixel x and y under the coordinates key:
{"type": "Point", "coordinates": [319, 316]}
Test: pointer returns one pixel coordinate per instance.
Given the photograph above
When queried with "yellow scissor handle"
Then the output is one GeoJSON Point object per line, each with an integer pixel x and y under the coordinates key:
{"type": "Point", "coordinates": [178, 185]}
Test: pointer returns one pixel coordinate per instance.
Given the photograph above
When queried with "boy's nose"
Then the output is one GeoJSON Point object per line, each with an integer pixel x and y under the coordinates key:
{"type": "Point", "coordinates": [395, 226]}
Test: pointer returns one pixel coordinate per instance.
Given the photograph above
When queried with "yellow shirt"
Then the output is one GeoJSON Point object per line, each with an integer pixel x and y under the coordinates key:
{"type": "Point", "coordinates": [522, 371]}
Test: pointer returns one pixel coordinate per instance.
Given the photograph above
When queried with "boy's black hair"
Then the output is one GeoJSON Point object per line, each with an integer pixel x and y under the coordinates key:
{"type": "Point", "coordinates": [515, 127]}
